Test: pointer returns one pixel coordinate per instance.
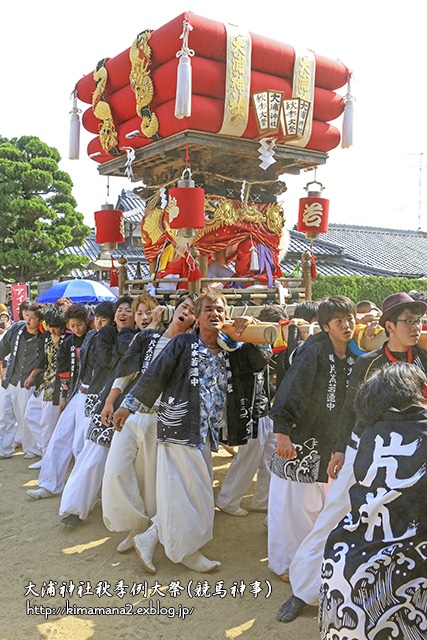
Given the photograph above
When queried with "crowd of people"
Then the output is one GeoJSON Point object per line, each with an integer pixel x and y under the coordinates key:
{"type": "Point", "coordinates": [335, 433]}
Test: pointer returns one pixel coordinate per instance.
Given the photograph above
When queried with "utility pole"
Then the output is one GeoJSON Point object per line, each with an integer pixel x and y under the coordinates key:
{"type": "Point", "coordinates": [420, 176]}
{"type": "Point", "coordinates": [419, 190]}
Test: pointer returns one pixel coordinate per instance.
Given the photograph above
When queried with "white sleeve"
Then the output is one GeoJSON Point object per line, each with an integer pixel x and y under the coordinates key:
{"type": "Point", "coordinates": [122, 383]}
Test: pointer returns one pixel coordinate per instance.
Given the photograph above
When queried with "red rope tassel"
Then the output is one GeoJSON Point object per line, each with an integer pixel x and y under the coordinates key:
{"type": "Point", "coordinates": [313, 264]}
{"type": "Point", "coordinates": [114, 274]}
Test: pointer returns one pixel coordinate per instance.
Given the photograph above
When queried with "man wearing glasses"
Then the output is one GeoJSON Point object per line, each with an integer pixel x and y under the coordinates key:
{"type": "Point", "coordinates": [402, 319]}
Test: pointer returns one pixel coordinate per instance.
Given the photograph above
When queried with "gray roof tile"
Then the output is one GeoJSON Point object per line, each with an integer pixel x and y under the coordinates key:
{"type": "Point", "coordinates": [402, 252]}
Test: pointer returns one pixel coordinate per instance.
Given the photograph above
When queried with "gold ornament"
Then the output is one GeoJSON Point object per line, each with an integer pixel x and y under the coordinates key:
{"type": "Point", "coordinates": [101, 109]}
{"type": "Point", "coordinates": [142, 85]}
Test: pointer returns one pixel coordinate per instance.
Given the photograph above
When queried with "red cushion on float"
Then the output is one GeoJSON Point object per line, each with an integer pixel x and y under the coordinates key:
{"type": "Point", "coordinates": [93, 147]}
{"type": "Point", "coordinates": [128, 127]}
{"type": "Point", "coordinates": [324, 136]}
{"type": "Point", "coordinates": [328, 105]}
{"type": "Point", "coordinates": [271, 56]}
{"type": "Point", "coordinates": [207, 115]}
{"type": "Point", "coordinates": [122, 104]}
{"type": "Point", "coordinates": [208, 39]}
{"type": "Point", "coordinates": [90, 121]}
{"type": "Point", "coordinates": [118, 69]}
{"type": "Point", "coordinates": [85, 88]}
{"type": "Point", "coordinates": [207, 78]}
{"type": "Point", "coordinates": [330, 74]}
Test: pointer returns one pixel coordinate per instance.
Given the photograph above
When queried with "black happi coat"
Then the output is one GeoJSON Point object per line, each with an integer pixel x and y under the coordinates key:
{"type": "Point", "coordinates": [364, 367]}
{"type": "Point", "coordinates": [104, 351]}
{"type": "Point", "coordinates": [374, 569]}
{"type": "Point", "coordinates": [307, 408]}
{"type": "Point", "coordinates": [106, 357]}
{"type": "Point", "coordinates": [68, 363]}
{"type": "Point", "coordinates": [175, 375]}
{"type": "Point", "coordinates": [86, 361]}
{"type": "Point", "coordinates": [42, 364]}
{"type": "Point", "coordinates": [97, 432]}
{"type": "Point", "coordinates": [9, 346]}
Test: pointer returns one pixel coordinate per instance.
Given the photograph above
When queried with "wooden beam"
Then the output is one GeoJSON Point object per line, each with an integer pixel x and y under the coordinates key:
{"type": "Point", "coordinates": [163, 161]}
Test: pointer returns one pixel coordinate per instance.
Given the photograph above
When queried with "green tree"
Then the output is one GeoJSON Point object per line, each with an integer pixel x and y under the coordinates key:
{"type": "Point", "coordinates": [364, 287]}
{"type": "Point", "coordinates": [37, 213]}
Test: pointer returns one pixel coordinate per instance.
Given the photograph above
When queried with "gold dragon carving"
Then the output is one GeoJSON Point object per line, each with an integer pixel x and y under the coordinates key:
{"type": "Point", "coordinates": [142, 84]}
{"type": "Point", "coordinates": [219, 212]}
{"type": "Point", "coordinates": [101, 109]}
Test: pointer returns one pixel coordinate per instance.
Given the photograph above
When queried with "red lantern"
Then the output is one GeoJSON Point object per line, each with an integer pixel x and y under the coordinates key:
{"type": "Point", "coordinates": [313, 212]}
{"type": "Point", "coordinates": [109, 225]}
{"type": "Point", "coordinates": [186, 205]}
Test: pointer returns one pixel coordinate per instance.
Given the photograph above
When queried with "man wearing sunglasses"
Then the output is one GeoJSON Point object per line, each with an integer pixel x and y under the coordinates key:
{"type": "Point", "coordinates": [402, 319]}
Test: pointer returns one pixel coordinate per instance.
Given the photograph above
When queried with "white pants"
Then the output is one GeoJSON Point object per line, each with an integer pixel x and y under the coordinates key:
{"type": "Point", "coordinates": [253, 457]}
{"type": "Point", "coordinates": [185, 505]}
{"type": "Point", "coordinates": [8, 427]}
{"type": "Point", "coordinates": [304, 572]}
{"type": "Point", "coordinates": [67, 441]}
{"type": "Point", "coordinates": [48, 421]}
{"type": "Point", "coordinates": [33, 414]}
{"type": "Point", "coordinates": [292, 511]}
{"type": "Point", "coordinates": [13, 403]}
{"type": "Point", "coordinates": [84, 482]}
{"type": "Point", "coordinates": [129, 485]}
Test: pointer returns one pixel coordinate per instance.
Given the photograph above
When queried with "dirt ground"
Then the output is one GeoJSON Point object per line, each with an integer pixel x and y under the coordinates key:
{"type": "Point", "coordinates": [127, 603]}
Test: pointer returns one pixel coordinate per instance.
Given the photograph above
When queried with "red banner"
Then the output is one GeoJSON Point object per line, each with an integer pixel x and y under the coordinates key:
{"type": "Point", "coordinates": [19, 294]}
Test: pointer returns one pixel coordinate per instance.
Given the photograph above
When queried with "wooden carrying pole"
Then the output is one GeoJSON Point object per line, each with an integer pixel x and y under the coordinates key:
{"type": "Point", "coordinates": [261, 333]}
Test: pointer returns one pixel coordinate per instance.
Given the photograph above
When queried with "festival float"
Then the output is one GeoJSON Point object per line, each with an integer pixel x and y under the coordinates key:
{"type": "Point", "coordinates": [209, 118]}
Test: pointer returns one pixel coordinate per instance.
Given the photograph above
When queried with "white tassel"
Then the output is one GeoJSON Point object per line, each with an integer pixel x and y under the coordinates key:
{"type": "Point", "coordinates": [254, 266]}
{"type": "Point", "coordinates": [347, 125]}
{"type": "Point", "coordinates": [184, 76]}
{"type": "Point", "coordinates": [183, 88]}
{"type": "Point", "coordinates": [74, 146]}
